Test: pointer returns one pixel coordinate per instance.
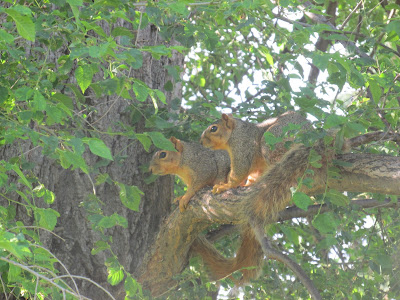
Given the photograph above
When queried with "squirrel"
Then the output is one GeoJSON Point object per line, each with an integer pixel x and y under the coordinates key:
{"type": "Point", "coordinates": [244, 142]}
{"type": "Point", "coordinates": [196, 165]}
{"type": "Point", "coordinates": [270, 194]}
{"type": "Point", "coordinates": [250, 158]}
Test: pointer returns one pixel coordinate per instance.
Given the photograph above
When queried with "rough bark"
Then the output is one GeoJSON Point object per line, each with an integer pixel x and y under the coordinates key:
{"type": "Point", "coordinates": [73, 187]}
{"type": "Point", "coordinates": [169, 254]}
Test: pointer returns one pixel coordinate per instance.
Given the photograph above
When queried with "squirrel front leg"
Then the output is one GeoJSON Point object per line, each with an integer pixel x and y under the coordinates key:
{"type": "Point", "coordinates": [233, 181]}
{"type": "Point", "coordinates": [184, 200]}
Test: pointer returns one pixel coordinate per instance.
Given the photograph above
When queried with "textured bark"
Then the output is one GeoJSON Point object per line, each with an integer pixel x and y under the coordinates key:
{"type": "Point", "coordinates": [72, 187]}
{"type": "Point", "coordinates": [168, 257]}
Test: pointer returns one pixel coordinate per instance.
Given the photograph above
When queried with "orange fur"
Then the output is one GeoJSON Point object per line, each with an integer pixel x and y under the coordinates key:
{"type": "Point", "coordinates": [248, 259]}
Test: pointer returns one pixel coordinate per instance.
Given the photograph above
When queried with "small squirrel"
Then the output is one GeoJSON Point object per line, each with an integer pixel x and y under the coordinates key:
{"type": "Point", "coordinates": [196, 165]}
{"type": "Point", "coordinates": [244, 142]}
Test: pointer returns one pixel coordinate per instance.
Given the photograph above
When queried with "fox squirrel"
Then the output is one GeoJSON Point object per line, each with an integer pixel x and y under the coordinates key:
{"type": "Point", "coordinates": [249, 155]}
{"type": "Point", "coordinates": [250, 158]}
{"type": "Point", "coordinates": [196, 165]}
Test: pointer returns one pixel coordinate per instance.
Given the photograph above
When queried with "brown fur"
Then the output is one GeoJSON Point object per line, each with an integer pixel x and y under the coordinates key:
{"type": "Point", "coordinates": [250, 159]}
{"type": "Point", "coordinates": [245, 144]}
{"type": "Point", "coordinates": [248, 258]}
{"type": "Point", "coordinates": [196, 165]}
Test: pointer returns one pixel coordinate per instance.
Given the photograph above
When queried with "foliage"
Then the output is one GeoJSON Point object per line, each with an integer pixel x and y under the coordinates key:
{"type": "Point", "coordinates": [248, 57]}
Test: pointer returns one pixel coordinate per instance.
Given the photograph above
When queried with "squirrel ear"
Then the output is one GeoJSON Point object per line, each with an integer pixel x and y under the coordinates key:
{"type": "Point", "coordinates": [228, 120]}
{"type": "Point", "coordinates": [177, 143]}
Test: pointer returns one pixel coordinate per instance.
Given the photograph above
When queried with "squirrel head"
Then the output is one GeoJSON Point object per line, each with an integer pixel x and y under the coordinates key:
{"type": "Point", "coordinates": [166, 162]}
{"type": "Point", "coordinates": [216, 136]}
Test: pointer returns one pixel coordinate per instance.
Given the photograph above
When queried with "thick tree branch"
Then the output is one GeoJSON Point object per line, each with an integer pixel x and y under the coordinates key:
{"type": "Point", "coordinates": [170, 251]}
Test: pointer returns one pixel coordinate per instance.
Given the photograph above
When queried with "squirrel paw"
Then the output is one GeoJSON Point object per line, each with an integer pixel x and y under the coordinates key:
{"type": "Point", "coordinates": [177, 199]}
{"type": "Point", "coordinates": [219, 188]}
{"type": "Point", "coordinates": [183, 203]}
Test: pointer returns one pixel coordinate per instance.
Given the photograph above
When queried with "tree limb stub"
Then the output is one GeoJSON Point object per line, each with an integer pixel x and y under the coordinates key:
{"type": "Point", "coordinates": [170, 251]}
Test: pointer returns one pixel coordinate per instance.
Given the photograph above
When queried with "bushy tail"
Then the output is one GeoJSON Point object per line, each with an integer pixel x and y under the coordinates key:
{"type": "Point", "coordinates": [271, 193]}
{"type": "Point", "coordinates": [248, 258]}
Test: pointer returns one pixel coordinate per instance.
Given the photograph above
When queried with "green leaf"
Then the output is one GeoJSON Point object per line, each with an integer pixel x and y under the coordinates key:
{"type": "Point", "coordinates": [6, 37]}
{"type": "Point", "coordinates": [302, 200]}
{"type": "Point", "coordinates": [68, 158]}
{"type": "Point", "coordinates": [160, 141]}
{"type": "Point", "coordinates": [39, 102]}
{"type": "Point", "coordinates": [46, 217]}
{"type": "Point", "coordinates": [141, 90]}
{"type": "Point", "coordinates": [100, 246]}
{"type": "Point", "coordinates": [75, 2]}
{"type": "Point", "coordinates": [98, 148]}
{"type": "Point", "coordinates": [325, 223]}
{"type": "Point", "coordinates": [145, 140]}
{"type": "Point", "coordinates": [131, 286]}
{"type": "Point", "coordinates": [130, 196]}
{"type": "Point", "coordinates": [115, 276]}
{"type": "Point", "coordinates": [179, 7]}
{"type": "Point", "coordinates": [375, 91]}
{"type": "Point", "coordinates": [135, 58]}
{"type": "Point", "coordinates": [393, 26]}
{"type": "Point", "coordinates": [113, 220]}
{"type": "Point", "coordinates": [21, 176]}
{"type": "Point", "coordinates": [25, 26]}
{"type": "Point", "coordinates": [49, 197]}
{"type": "Point", "coordinates": [13, 273]}
{"type": "Point", "coordinates": [10, 242]}
{"type": "Point", "coordinates": [337, 198]}
{"type": "Point", "coordinates": [291, 234]}
{"type": "Point", "coordinates": [122, 31]}
{"type": "Point", "coordinates": [271, 139]}
{"type": "Point", "coordinates": [84, 76]}
{"type": "Point", "coordinates": [334, 121]}
{"type": "Point", "coordinates": [160, 96]}
{"type": "Point", "coordinates": [315, 159]}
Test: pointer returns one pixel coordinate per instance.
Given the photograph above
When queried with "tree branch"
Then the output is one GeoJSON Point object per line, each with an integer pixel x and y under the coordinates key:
{"type": "Point", "coordinates": [170, 251]}
{"type": "Point", "coordinates": [271, 253]}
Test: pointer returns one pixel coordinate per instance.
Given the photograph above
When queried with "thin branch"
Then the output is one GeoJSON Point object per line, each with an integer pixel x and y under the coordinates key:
{"type": "Point", "coordinates": [295, 212]}
{"type": "Point", "coordinates": [373, 136]}
{"type": "Point", "coordinates": [65, 268]}
{"type": "Point", "coordinates": [349, 16]}
{"type": "Point", "coordinates": [271, 253]}
{"type": "Point", "coordinates": [38, 275]}
{"type": "Point", "coordinates": [350, 46]}
{"type": "Point", "coordinates": [87, 279]}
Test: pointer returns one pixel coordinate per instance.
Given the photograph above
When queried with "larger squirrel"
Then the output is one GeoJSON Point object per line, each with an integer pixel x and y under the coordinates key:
{"type": "Point", "coordinates": [251, 158]}
{"type": "Point", "coordinates": [196, 165]}
{"type": "Point", "coordinates": [245, 144]}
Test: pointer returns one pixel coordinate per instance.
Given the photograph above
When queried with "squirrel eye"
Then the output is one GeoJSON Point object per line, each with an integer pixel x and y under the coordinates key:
{"type": "Point", "coordinates": [214, 129]}
{"type": "Point", "coordinates": [163, 154]}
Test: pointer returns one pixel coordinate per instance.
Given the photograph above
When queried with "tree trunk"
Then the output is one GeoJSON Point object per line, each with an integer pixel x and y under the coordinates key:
{"type": "Point", "coordinates": [73, 187]}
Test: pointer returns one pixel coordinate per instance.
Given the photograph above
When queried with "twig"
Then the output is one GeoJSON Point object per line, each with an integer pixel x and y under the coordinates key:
{"type": "Point", "coordinates": [65, 268]}
{"type": "Point", "coordinates": [37, 275]}
{"type": "Point", "coordinates": [38, 227]}
{"type": "Point", "coordinates": [349, 16]}
{"type": "Point", "coordinates": [374, 136]}
{"type": "Point", "coordinates": [271, 253]}
{"type": "Point", "coordinates": [4, 288]}
{"type": "Point", "coordinates": [295, 212]}
{"type": "Point", "coordinates": [87, 279]}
